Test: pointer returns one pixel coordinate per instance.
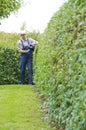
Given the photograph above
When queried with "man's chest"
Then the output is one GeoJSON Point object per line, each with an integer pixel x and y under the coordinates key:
{"type": "Point", "coordinates": [25, 43]}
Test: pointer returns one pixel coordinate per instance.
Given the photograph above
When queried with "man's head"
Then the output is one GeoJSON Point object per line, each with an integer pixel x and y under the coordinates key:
{"type": "Point", "coordinates": [23, 34]}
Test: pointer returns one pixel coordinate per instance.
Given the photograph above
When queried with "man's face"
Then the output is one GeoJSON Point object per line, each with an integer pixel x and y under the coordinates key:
{"type": "Point", "coordinates": [23, 36]}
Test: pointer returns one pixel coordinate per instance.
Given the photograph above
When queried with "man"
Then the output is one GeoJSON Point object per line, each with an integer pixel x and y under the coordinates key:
{"type": "Point", "coordinates": [26, 47]}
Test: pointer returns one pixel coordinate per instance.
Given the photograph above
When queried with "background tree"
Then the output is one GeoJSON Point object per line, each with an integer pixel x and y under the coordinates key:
{"type": "Point", "coordinates": [23, 26]}
{"type": "Point", "coordinates": [8, 6]}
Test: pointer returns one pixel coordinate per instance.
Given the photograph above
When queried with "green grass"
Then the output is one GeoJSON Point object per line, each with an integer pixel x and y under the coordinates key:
{"type": "Point", "coordinates": [20, 109]}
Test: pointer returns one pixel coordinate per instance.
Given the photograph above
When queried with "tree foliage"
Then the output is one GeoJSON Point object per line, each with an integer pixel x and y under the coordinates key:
{"type": "Point", "coordinates": [8, 6]}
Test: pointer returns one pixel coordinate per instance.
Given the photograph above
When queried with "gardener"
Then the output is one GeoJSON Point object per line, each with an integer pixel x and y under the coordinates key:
{"type": "Point", "coordinates": [26, 47]}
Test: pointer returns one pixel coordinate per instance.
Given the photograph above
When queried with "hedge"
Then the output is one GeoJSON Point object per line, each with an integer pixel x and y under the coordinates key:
{"type": "Point", "coordinates": [9, 66]}
{"type": "Point", "coordinates": [61, 66]}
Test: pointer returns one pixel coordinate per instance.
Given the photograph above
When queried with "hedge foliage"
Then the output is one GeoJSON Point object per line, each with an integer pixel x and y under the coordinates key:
{"type": "Point", "coordinates": [9, 66]}
{"type": "Point", "coordinates": [9, 59]}
{"type": "Point", "coordinates": [61, 66]}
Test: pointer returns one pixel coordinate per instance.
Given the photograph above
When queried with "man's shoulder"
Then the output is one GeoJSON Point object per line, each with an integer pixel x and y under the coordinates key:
{"type": "Point", "coordinates": [30, 38]}
{"type": "Point", "coordinates": [19, 41]}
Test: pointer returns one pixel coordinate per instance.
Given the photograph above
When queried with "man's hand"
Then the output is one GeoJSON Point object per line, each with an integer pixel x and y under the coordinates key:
{"type": "Point", "coordinates": [36, 42]}
{"type": "Point", "coordinates": [27, 50]}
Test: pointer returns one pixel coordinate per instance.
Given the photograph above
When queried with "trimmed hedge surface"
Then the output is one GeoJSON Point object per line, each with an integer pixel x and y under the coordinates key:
{"type": "Point", "coordinates": [9, 66]}
{"type": "Point", "coordinates": [61, 66]}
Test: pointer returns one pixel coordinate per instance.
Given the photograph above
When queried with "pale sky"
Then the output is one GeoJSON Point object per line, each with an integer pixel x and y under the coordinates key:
{"type": "Point", "coordinates": [35, 13]}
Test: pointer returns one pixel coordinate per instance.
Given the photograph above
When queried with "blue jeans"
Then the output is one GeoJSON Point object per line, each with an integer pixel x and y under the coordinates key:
{"type": "Point", "coordinates": [26, 59]}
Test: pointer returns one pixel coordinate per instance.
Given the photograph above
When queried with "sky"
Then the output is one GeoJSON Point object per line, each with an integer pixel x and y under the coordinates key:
{"type": "Point", "coordinates": [34, 13]}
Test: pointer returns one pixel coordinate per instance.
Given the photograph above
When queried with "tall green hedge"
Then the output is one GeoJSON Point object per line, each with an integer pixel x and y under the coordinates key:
{"type": "Point", "coordinates": [9, 66]}
{"type": "Point", "coordinates": [61, 66]}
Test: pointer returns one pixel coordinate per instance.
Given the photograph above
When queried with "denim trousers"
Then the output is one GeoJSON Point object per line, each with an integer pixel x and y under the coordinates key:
{"type": "Point", "coordinates": [26, 59]}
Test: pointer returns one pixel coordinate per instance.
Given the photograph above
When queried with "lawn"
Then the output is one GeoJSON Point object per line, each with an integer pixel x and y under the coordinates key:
{"type": "Point", "coordinates": [20, 109]}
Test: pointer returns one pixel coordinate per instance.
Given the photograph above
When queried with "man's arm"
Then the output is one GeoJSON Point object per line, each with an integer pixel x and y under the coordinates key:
{"type": "Point", "coordinates": [20, 48]}
{"type": "Point", "coordinates": [23, 51]}
{"type": "Point", "coordinates": [33, 42]}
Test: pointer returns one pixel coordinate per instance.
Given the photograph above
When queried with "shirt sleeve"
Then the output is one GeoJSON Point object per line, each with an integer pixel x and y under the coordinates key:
{"type": "Point", "coordinates": [32, 41]}
{"type": "Point", "coordinates": [19, 45]}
